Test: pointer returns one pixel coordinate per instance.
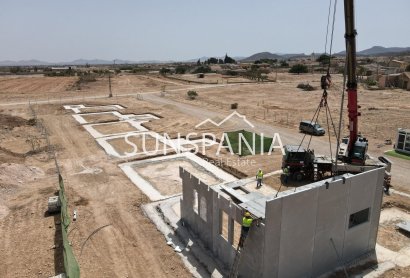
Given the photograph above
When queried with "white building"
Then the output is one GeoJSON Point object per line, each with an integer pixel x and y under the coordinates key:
{"type": "Point", "coordinates": [403, 141]}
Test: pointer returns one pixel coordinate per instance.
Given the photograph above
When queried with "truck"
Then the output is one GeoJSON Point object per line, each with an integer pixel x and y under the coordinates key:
{"type": "Point", "coordinates": [352, 154]}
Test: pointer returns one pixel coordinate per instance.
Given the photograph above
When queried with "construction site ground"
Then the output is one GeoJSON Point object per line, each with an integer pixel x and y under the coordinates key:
{"type": "Point", "coordinates": [131, 246]}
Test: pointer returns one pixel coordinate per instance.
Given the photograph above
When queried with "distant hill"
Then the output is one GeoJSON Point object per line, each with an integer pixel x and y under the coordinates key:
{"type": "Point", "coordinates": [78, 62]}
{"type": "Point", "coordinates": [379, 50]}
{"type": "Point", "coordinates": [373, 51]}
{"type": "Point", "coordinates": [261, 55]}
{"type": "Point", "coordinates": [268, 55]}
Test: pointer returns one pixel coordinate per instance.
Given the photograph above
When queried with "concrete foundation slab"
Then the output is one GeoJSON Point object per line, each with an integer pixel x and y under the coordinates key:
{"type": "Point", "coordinates": [87, 118]}
{"type": "Point", "coordinates": [159, 177]}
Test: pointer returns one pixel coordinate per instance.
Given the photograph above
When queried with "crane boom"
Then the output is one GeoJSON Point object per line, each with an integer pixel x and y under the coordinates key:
{"type": "Point", "coordinates": [353, 148]}
{"type": "Point", "coordinates": [350, 37]}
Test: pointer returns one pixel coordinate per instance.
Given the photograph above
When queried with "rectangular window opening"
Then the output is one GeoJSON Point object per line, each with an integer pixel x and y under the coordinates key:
{"type": "Point", "coordinates": [223, 227]}
{"type": "Point", "coordinates": [236, 233]}
{"type": "Point", "coordinates": [195, 204]}
{"type": "Point", "coordinates": [359, 218]}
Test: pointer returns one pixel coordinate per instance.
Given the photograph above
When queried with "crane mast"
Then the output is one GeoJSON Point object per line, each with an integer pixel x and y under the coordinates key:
{"type": "Point", "coordinates": [351, 85]}
{"type": "Point", "coordinates": [355, 145]}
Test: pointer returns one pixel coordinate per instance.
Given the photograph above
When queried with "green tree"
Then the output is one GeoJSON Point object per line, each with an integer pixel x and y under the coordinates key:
{"type": "Point", "coordinates": [164, 71]}
{"type": "Point", "coordinates": [298, 68]}
{"type": "Point", "coordinates": [202, 69]}
{"type": "Point", "coordinates": [212, 60]}
{"type": "Point", "coordinates": [229, 60]}
{"type": "Point", "coordinates": [324, 59]}
{"type": "Point", "coordinates": [408, 68]}
{"type": "Point", "coordinates": [284, 64]}
{"type": "Point", "coordinates": [15, 70]}
{"type": "Point", "coordinates": [198, 63]}
{"type": "Point", "coordinates": [180, 69]}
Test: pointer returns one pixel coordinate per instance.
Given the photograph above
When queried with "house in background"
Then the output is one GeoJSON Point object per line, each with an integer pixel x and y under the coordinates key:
{"type": "Point", "coordinates": [397, 80]}
{"type": "Point", "coordinates": [403, 141]}
{"type": "Point", "coordinates": [398, 64]}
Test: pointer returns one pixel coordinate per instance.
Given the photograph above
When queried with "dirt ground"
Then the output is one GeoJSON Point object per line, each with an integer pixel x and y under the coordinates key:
{"type": "Point", "coordinates": [99, 118]}
{"type": "Point", "coordinates": [103, 195]}
{"type": "Point", "coordinates": [164, 175]}
{"type": "Point", "coordinates": [25, 88]}
{"type": "Point", "coordinates": [114, 128]}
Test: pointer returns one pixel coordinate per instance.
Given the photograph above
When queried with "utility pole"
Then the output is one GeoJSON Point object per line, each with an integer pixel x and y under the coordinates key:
{"type": "Point", "coordinates": [109, 85]}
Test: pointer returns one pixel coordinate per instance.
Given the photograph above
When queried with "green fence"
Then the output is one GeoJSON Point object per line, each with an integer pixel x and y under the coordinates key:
{"type": "Point", "coordinates": [71, 266]}
{"type": "Point", "coordinates": [238, 140]}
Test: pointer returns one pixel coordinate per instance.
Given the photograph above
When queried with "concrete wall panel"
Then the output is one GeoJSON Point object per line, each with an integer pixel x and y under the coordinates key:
{"type": "Point", "coordinates": [377, 204]}
{"type": "Point", "coordinates": [361, 196]}
{"type": "Point", "coordinates": [330, 224]}
{"type": "Point", "coordinates": [297, 233]}
{"type": "Point", "coordinates": [273, 223]}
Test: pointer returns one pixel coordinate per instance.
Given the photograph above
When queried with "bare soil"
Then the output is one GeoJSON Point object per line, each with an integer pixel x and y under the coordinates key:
{"type": "Point", "coordinates": [147, 145]}
{"type": "Point", "coordinates": [98, 109]}
{"type": "Point", "coordinates": [100, 192]}
{"type": "Point", "coordinates": [113, 128]}
{"type": "Point", "coordinates": [164, 175]}
{"type": "Point", "coordinates": [99, 118]}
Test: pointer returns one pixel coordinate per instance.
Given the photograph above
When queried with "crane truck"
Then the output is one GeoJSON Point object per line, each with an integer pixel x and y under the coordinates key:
{"type": "Point", "coordinates": [352, 154]}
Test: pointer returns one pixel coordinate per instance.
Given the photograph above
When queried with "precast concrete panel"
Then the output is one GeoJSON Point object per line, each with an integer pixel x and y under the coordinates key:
{"type": "Point", "coordinates": [360, 196]}
{"type": "Point", "coordinates": [330, 227]}
{"type": "Point", "coordinates": [297, 233]}
{"type": "Point", "coordinates": [273, 221]}
{"type": "Point", "coordinates": [377, 204]}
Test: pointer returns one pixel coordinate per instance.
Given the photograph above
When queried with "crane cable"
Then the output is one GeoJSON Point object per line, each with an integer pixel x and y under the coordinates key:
{"type": "Point", "coordinates": [327, 27]}
{"type": "Point", "coordinates": [323, 101]}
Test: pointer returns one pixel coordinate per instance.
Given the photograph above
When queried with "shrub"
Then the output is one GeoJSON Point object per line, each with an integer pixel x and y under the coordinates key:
{"type": "Point", "coordinates": [323, 59]}
{"type": "Point", "coordinates": [284, 64]}
{"type": "Point", "coordinates": [180, 69]}
{"type": "Point", "coordinates": [164, 71]}
{"type": "Point", "coordinates": [371, 82]}
{"type": "Point", "coordinates": [192, 94]}
{"type": "Point", "coordinates": [298, 68]}
{"type": "Point", "coordinates": [305, 87]}
{"type": "Point", "coordinates": [202, 69]}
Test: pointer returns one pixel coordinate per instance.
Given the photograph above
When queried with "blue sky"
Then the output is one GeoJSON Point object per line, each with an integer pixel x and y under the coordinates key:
{"type": "Point", "coordinates": [57, 30]}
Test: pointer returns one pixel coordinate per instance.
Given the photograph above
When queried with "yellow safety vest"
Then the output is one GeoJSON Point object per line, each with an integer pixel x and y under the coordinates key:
{"type": "Point", "coordinates": [259, 174]}
{"type": "Point", "coordinates": [246, 222]}
{"type": "Point", "coordinates": [286, 171]}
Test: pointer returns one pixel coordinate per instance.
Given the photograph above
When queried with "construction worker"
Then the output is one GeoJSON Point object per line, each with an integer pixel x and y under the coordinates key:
{"type": "Point", "coordinates": [259, 177]}
{"type": "Point", "coordinates": [246, 224]}
{"type": "Point", "coordinates": [286, 173]}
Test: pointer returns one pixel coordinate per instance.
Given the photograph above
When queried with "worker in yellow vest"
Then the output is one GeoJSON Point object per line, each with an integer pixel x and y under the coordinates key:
{"type": "Point", "coordinates": [246, 224]}
{"type": "Point", "coordinates": [286, 173]}
{"type": "Point", "coordinates": [259, 177]}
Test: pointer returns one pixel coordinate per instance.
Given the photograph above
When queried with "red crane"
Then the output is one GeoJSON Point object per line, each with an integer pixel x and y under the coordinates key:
{"type": "Point", "coordinates": [353, 148]}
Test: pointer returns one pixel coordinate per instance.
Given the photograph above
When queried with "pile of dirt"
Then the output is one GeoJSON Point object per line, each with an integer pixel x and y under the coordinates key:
{"type": "Point", "coordinates": [13, 173]}
{"type": "Point", "coordinates": [10, 122]}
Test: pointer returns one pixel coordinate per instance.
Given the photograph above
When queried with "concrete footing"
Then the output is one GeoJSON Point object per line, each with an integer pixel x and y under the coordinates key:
{"type": "Point", "coordinates": [76, 108]}
{"type": "Point", "coordinates": [160, 175]}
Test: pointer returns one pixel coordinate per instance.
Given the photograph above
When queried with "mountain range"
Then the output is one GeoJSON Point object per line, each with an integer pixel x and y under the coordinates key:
{"type": "Point", "coordinates": [375, 50]}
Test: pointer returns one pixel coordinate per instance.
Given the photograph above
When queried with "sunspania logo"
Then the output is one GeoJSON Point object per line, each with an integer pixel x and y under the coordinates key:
{"type": "Point", "coordinates": [239, 142]}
